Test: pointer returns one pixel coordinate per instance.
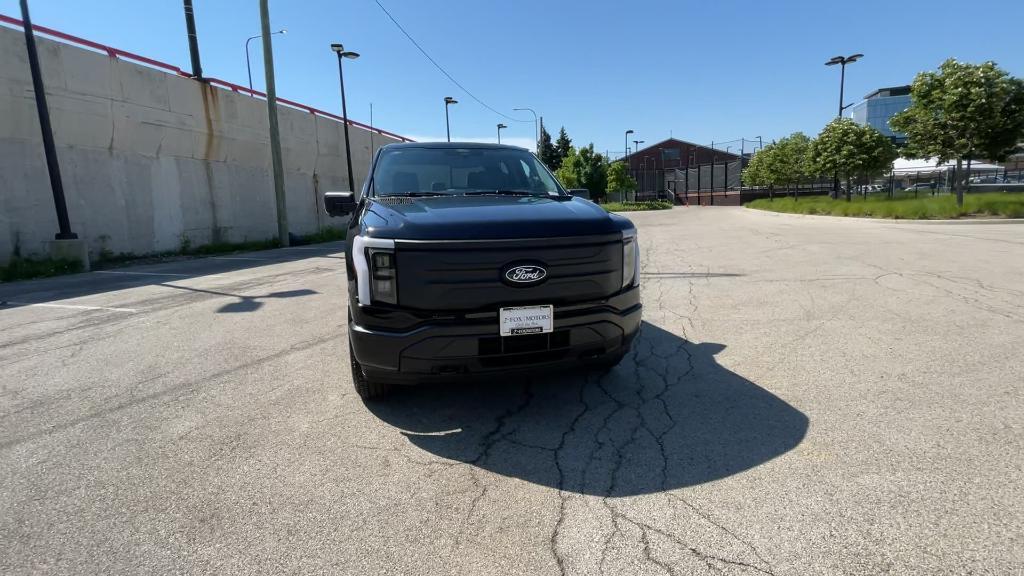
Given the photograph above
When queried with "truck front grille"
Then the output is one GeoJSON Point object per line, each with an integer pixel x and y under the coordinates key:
{"type": "Point", "coordinates": [466, 276]}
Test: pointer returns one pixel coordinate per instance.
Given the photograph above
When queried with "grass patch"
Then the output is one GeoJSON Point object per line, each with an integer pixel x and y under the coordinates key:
{"type": "Point", "coordinates": [1000, 204]}
{"type": "Point", "coordinates": [20, 268]}
{"type": "Point", "coordinates": [326, 234]}
{"type": "Point", "coordinates": [26, 268]}
{"type": "Point", "coordinates": [637, 206]}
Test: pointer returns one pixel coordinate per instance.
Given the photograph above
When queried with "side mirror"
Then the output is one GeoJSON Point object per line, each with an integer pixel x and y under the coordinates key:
{"type": "Point", "coordinates": [339, 203]}
{"type": "Point", "coordinates": [581, 192]}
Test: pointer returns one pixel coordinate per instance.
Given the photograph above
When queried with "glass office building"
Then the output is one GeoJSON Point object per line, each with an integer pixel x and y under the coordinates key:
{"type": "Point", "coordinates": [878, 107]}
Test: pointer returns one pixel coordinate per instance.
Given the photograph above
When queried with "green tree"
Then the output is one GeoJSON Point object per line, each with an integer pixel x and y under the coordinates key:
{"type": "Point", "coordinates": [783, 163]}
{"type": "Point", "coordinates": [584, 168]}
{"type": "Point", "coordinates": [562, 145]}
{"type": "Point", "coordinates": [567, 172]}
{"type": "Point", "coordinates": [963, 111]}
{"type": "Point", "coordinates": [547, 153]}
{"type": "Point", "coordinates": [619, 178]}
{"type": "Point", "coordinates": [852, 151]}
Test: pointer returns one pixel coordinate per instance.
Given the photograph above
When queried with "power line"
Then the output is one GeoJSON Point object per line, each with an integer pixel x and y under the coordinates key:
{"type": "Point", "coordinates": [443, 71]}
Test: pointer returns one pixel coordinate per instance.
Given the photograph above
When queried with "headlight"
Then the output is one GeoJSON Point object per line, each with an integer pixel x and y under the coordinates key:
{"type": "Point", "coordinates": [376, 276]}
{"type": "Point", "coordinates": [630, 259]}
{"type": "Point", "coordinates": [383, 276]}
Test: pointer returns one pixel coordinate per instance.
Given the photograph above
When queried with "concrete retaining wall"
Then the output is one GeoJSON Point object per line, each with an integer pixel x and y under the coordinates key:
{"type": "Point", "coordinates": [150, 159]}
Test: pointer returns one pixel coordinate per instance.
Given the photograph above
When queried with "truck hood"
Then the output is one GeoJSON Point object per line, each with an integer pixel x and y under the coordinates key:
{"type": "Point", "coordinates": [486, 217]}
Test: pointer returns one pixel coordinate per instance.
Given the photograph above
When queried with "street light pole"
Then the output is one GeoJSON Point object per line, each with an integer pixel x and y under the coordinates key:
{"type": "Point", "coordinates": [49, 148]}
{"type": "Point", "coordinates": [842, 61]}
{"type": "Point", "coordinates": [248, 67]}
{"type": "Point", "coordinates": [342, 53]}
{"type": "Point", "coordinates": [448, 101]}
{"type": "Point", "coordinates": [536, 129]}
{"type": "Point", "coordinates": [626, 145]}
{"type": "Point", "coordinates": [193, 40]}
{"type": "Point", "coordinates": [500, 126]}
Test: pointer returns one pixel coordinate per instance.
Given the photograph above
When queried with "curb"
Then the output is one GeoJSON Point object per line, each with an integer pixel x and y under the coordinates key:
{"type": "Point", "coordinates": [960, 221]}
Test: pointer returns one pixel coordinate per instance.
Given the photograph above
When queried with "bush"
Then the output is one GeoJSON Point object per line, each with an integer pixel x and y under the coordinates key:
{"type": "Point", "coordinates": [1004, 204]}
{"type": "Point", "coordinates": [637, 206]}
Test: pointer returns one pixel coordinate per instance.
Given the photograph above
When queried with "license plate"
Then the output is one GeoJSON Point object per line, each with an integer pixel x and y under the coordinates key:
{"type": "Point", "coordinates": [526, 320]}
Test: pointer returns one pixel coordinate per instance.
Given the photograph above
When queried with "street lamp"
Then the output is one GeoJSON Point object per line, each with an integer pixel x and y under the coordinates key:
{"type": "Point", "coordinates": [248, 67]}
{"type": "Point", "coordinates": [500, 126]}
{"type": "Point", "coordinates": [342, 53]}
{"type": "Point", "coordinates": [636, 145]}
{"type": "Point", "coordinates": [626, 158]}
{"type": "Point", "coordinates": [536, 130]}
{"type": "Point", "coordinates": [843, 61]}
{"type": "Point", "coordinates": [448, 101]}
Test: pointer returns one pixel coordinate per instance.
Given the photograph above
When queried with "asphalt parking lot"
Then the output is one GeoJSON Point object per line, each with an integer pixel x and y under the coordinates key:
{"type": "Point", "coordinates": [809, 396]}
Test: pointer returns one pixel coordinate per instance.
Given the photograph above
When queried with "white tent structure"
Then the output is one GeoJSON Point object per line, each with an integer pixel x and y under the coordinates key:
{"type": "Point", "coordinates": [931, 166]}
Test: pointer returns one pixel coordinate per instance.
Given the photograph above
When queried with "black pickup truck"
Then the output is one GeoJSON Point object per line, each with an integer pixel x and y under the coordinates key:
{"type": "Point", "coordinates": [471, 260]}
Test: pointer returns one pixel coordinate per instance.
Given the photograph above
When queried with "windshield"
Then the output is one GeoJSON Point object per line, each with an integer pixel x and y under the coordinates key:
{"type": "Point", "coordinates": [456, 171]}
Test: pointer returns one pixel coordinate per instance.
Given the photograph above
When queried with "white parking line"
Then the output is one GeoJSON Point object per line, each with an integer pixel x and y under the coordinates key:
{"type": "Point", "coordinates": [67, 306]}
{"type": "Point", "coordinates": [139, 273]}
{"type": "Point", "coordinates": [241, 258]}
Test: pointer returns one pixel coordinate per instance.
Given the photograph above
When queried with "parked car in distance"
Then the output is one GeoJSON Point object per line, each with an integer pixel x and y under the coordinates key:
{"type": "Point", "coordinates": [471, 261]}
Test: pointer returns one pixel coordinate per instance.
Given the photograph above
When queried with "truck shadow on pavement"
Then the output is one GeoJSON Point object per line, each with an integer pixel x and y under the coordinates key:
{"type": "Point", "coordinates": [669, 416]}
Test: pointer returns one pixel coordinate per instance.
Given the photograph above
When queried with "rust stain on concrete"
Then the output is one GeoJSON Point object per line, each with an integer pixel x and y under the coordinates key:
{"type": "Point", "coordinates": [211, 116]}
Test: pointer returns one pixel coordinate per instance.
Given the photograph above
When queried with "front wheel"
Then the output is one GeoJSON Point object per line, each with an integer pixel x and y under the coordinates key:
{"type": "Point", "coordinates": [365, 387]}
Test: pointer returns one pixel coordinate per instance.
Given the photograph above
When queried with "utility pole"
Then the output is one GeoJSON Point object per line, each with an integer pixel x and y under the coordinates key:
{"type": "Point", "coordinates": [49, 149]}
{"type": "Point", "coordinates": [193, 40]}
{"type": "Point", "coordinates": [371, 134]}
{"type": "Point", "coordinates": [539, 133]}
{"type": "Point", "coordinates": [275, 134]}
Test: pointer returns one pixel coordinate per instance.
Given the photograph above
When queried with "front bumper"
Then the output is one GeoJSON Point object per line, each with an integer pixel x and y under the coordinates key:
{"type": "Point", "coordinates": [585, 333]}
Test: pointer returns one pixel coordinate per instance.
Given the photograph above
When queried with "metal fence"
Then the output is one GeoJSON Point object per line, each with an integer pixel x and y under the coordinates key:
{"type": "Point", "coordinates": [718, 183]}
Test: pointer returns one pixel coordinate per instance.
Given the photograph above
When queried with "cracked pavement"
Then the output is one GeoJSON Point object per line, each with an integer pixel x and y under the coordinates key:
{"type": "Point", "coordinates": [808, 396]}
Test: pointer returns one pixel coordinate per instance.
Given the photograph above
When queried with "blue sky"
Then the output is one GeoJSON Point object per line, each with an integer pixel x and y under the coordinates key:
{"type": "Point", "coordinates": [701, 71]}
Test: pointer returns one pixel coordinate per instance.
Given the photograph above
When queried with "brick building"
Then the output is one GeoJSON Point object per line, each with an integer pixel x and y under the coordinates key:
{"type": "Point", "coordinates": [660, 166]}
{"type": "Point", "coordinates": [674, 153]}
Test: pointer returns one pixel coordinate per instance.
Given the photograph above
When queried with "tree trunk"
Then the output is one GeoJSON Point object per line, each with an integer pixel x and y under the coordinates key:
{"type": "Point", "coordinates": [967, 182]}
{"type": "Point", "coordinates": [849, 196]}
{"type": "Point", "coordinates": [959, 183]}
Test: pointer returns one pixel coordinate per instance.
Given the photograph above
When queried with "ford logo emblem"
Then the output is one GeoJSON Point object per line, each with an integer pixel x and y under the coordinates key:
{"type": "Point", "coordinates": [525, 274]}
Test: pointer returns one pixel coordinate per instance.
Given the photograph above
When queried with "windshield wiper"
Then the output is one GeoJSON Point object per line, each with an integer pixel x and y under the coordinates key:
{"type": "Point", "coordinates": [415, 194]}
{"type": "Point", "coordinates": [500, 193]}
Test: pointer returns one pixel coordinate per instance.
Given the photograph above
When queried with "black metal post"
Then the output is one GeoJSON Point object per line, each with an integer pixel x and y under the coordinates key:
{"type": "Point", "coordinates": [842, 83]}
{"type": "Point", "coordinates": [344, 120]}
{"type": "Point", "coordinates": [447, 124]}
{"type": "Point", "coordinates": [714, 158]}
{"type": "Point", "coordinates": [248, 67]}
{"type": "Point", "coordinates": [193, 40]}
{"type": "Point", "coordinates": [49, 149]}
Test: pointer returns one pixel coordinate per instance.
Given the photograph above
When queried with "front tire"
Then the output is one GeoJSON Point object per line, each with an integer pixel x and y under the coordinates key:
{"type": "Point", "coordinates": [366, 388]}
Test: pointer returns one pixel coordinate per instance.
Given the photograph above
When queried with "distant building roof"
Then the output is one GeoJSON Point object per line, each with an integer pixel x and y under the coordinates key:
{"type": "Point", "coordinates": [678, 141]}
{"type": "Point", "coordinates": [891, 91]}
